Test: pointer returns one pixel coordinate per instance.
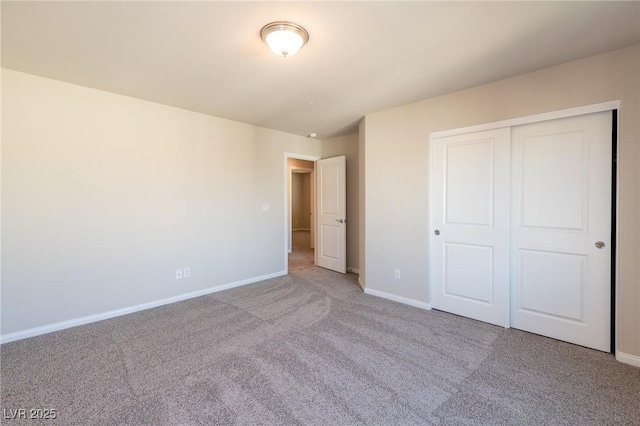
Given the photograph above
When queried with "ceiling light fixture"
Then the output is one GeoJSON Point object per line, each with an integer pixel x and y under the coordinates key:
{"type": "Point", "coordinates": [284, 38]}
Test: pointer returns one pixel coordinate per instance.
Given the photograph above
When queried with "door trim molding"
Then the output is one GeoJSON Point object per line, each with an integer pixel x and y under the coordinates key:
{"type": "Point", "coordinates": [536, 118]}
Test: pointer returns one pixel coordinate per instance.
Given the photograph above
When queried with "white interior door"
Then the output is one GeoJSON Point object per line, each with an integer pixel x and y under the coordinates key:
{"type": "Point", "coordinates": [470, 218]}
{"type": "Point", "coordinates": [561, 211]}
{"type": "Point", "coordinates": [331, 205]}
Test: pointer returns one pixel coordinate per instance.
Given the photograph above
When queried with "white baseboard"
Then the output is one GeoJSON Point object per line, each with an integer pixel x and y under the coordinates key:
{"type": "Point", "coordinates": [628, 359]}
{"type": "Point", "coordinates": [399, 299]}
{"type": "Point", "coordinates": [50, 328]}
{"type": "Point", "coordinates": [354, 270]}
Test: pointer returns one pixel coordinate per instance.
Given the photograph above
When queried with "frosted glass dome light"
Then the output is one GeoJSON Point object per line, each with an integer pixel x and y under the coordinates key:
{"type": "Point", "coordinates": [284, 38]}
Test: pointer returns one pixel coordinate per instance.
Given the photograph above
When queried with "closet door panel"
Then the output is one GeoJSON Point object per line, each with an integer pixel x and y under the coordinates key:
{"type": "Point", "coordinates": [470, 218]}
{"type": "Point", "coordinates": [560, 229]}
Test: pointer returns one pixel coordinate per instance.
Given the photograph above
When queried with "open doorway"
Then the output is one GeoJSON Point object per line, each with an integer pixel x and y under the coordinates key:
{"type": "Point", "coordinates": [301, 255]}
{"type": "Point", "coordinates": [300, 211]}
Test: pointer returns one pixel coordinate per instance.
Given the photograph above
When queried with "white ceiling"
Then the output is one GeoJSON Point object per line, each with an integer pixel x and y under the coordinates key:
{"type": "Point", "coordinates": [362, 57]}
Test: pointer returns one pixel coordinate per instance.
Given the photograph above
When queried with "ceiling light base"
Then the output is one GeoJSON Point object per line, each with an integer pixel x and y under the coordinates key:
{"type": "Point", "coordinates": [284, 38]}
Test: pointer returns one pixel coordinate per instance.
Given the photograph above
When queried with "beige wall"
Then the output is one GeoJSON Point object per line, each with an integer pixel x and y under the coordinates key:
{"type": "Point", "coordinates": [298, 164]}
{"type": "Point", "coordinates": [397, 151]}
{"type": "Point", "coordinates": [348, 146]}
{"type": "Point", "coordinates": [104, 196]}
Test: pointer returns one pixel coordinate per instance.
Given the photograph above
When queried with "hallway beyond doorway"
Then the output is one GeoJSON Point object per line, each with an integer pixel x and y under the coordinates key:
{"type": "Point", "coordinates": [301, 256]}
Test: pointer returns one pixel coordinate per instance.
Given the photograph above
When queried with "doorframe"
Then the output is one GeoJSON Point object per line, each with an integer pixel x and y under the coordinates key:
{"type": "Point", "coordinates": [528, 119]}
{"type": "Point", "coordinates": [286, 197]}
{"type": "Point", "coordinates": [536, 118]}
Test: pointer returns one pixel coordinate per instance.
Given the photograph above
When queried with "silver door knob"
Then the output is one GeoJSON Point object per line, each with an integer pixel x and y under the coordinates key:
{"type": "Point", "coordinates": [437, 232]}
{"type": "Point", "coordinates": [340, 220]}
{"type": "Point", "coordinates": [599, 244]}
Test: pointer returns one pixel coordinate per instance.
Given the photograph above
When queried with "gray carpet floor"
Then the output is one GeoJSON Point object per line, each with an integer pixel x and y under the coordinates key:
{"type": "Point", "coordinates": [311, 348]}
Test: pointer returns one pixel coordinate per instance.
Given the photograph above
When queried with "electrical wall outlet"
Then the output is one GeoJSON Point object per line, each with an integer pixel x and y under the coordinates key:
{"type": "Point", "coordinates": [178, 274]}
{"type": "Point", "coordinates": [186, 272]}
{"type": "Point", "coordinates": [396, 274]}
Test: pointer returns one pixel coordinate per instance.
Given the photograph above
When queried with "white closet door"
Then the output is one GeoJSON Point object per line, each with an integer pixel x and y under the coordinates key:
{"type": "Point", "coordinates": [470, 215]}
{"type": "Point", "coordinates": [561, 228]}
